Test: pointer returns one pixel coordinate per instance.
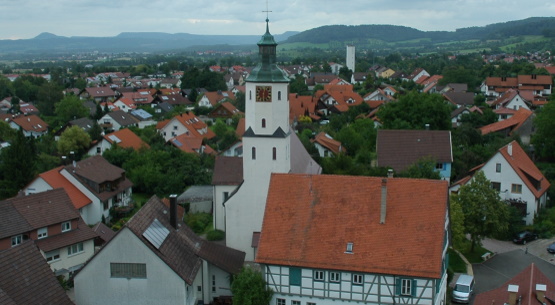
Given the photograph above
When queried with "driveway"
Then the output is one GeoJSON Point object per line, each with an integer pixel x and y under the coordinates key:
{"type": "Point", "coordinates": [511, 259]}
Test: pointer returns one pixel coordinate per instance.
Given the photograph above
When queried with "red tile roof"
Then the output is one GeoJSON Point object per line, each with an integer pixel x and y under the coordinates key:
{"type": "Point", "coordinates": [526, 280]}
{"type": "Point", "coordinates": [228, 171]}
{"type": "Point", "coordinates": [126, 138]}
{"type": "Point", "coordinates": [31, 123]}
{"type": "Point", "coordinates": [196, 126]}
{"type": "Point", "coordinates": [504, 82]}
{"type": "Point", "coordinates": [525, 168]}
{"type": "Point", "coordinates": [535, 79]}
{"type": "Point", "coordinates": [301, 105]}
{"type": "Point", "coordinates": [56, 180]}
{"type": "Point", "coordinates": [190, 144]}
{"type": "Point", "coordinates": [514, 122]}
{"type": "Point", "coordinates": [309, 220]}
{"type": "Point", "coordinates": [328, 142]}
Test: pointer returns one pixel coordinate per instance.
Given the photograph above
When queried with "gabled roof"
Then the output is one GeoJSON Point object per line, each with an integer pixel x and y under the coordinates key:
{"type": "Point", "coordinates": [526, 281]}
{"type": "Point", "coordinates": [309, 220]}
{"type": "Point", "coordinates": [193, 124]}
{"type": "Point", "coordinates": [216, 97]}
{"type": "Point", "coordinates": [11, 221]}
{"type": "Point", "coordinates": [227, 171]}
{"type": "Point", "coordinates": [45, 208]}
{"type": "Point", "coordinates": [105, 233]}
{"type": "Point", "coordinates": [328, 142]}
{"type": "Point", "coordinates": [508, 96]}
{"type": "Point", "coordinates": [228, 110]}
{"type": "Point", "coordinates": [182, 250]}
{"type": "Point", "coordinates": [504, 82]}
{"type": "Point", "coordinates": [514, 122]}
{"type": "Point", "coordinates": [401, 148]}
{"type": "Point", "coordinates": [190, 144]}
{"type": "Point", "coordinates": [98, 92]}
{"type": "Point", "coordinates": [30, 123]}
{"type": "Point", "coordinates": [126, 138]}
{"type": "Point", "coordinates": [525, 168]}
{"type": "Point", "coordinates": [26, 278]}
{"type": "Point", "coordinates": [56, 180]}
{"type": "Point", "coordinates": [460, 98]}
{"type": "Point", "coordinates": [75, 235]}
{"type": "Point", "coordinates": [96, 169]}
{"type": "Point", "coordinates": [534, 79]}
{"type": "Point", "coordinates": [123, 118]}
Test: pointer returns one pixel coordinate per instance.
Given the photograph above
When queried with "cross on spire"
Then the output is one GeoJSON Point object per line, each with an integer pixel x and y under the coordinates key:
{"type": "Point", "coordinates": [267, 11]}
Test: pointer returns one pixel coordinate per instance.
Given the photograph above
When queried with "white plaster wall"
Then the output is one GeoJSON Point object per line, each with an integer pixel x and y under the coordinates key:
{"type": "Point", "coordinates": [517, 103]}
{"type": "Point", "coordinates": [218, 210]}
{"type": "Point", "coordinates": [92, 213]}
{"type": "Point", "coordinates": [69, 261]}
{"type": "Point", "coordinates": [94, 286]}
{"type": "Point", "coordinates": [169, 129]}
{"type": "Point", "coordinates": [276, 112]}
{"type": "Point", "coordinates": [37, 186]}
{"type": "Point", "coordinates": [507, 177]}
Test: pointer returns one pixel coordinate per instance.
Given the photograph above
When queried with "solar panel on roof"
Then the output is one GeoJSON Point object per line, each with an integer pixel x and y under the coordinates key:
{"type": "Point", "coordinates": [114, 138]}
{"type": "Point", "coordinates": [176, 142]}
{"type": "Point", "coordinates": [156, 233]}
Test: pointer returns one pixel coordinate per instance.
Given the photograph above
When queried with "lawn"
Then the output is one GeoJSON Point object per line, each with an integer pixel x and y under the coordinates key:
{"type": "Point", "coordinates": [456, 263]}
{"type": "Point", "coordinates": [474, 256]}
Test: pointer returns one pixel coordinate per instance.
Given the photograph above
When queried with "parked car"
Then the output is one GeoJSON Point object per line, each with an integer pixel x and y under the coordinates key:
{"type": "Point", "coordinates": [551, 248]}
{"type": "Point", "coordinates": [463, 289]}
{"type": "Point", "coordinates": [524, 237]}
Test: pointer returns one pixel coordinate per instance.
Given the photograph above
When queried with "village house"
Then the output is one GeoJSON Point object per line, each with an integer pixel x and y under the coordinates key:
{"type": "Point", "coordinates": [315, 248]}
{"type": "Point", "coordinates": [31, 125]}
{"type": "Point", "coordinates": [93, 184]}
{"type": "Point", "coordinates": [212, 99]}
{"type": "Point", "coordinates": [98, 94]}
{"type": "Point", "coordinates": [400, 149]}
{"type": "Point", "coordinates": [191, 144]}
{"type": "Point", "coordinates": [327, 146]}
{"type": "Point", "coordinates": [336, 98]}
{"type": "Point", "coordinates": [225, 111]}
{"type": "Point", "coordinates": [116, 120]}
{"type": "Point", "coordinates": [124, 138]}
{"type": "Point", "coordinates": [27, 279]}
{"type": "Point", "coordinates": [519, 122]}
{"type": "Point", "coordinates": [157, 259]}
{"type": "Point", "coordinates": [49, 219]}
{"type": "Point", "coordinates": [184, 123]}
{"type": "Point", "coordinates": [517, 179]}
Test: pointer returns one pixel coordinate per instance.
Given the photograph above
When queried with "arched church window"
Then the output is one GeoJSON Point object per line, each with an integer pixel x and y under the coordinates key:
{"type": "Point", "coordinates": [250, 94]}
{"type": "Point", "coordinates": [274, 153]}
{"type": "Point", "coordinates": [263, 123]}
{"type": "Point", "coordinates": [279, 95]}
{"type": "Point", "coordinates": [254, 153]}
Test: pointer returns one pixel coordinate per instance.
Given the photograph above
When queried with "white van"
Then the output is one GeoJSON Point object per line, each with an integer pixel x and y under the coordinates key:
{"type": "Point", "coordinates": [464, 286]}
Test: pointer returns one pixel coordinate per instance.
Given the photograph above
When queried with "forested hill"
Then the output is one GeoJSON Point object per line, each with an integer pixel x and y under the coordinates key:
{"type": "Point", "coordinates": [391, 33]}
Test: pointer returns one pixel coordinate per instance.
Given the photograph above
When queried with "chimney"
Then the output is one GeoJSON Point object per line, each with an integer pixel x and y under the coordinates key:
{"type": "Point", "coordinates": [510, 149]}
{"type": "Point", "coordinates": [513, 290]}
{"type": "Point", "coordinates": [540, 292]}
{"type": "Point", "coordinates": [427, 126]}
{"type": "Point", "coordinates": [173, 211]}
{"type": "Point", "coordinates": [384, 201]}
{"type": "Point", "coordinates": [390, 173]}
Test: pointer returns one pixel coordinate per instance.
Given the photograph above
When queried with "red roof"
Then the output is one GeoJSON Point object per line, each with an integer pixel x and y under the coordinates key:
{"type": "Point", "coordinates": [31, 123]}
{"type": "Point", "coordinates": [309, 219]}
{"type": "Point", "coordinates": [56, 180]}
{"type": "Point", "coordinates": [301, 105]}
{"type": "Point", "coordinates": [125, 138]}
{"type": "Point", "coordinates": [328, 142]}
{"type": "Point", "coordinates": [514, 122]}
{"type": "Point", "coordinates": [196, 127]}
{"type": "Point", "coordinates": [525, 168]}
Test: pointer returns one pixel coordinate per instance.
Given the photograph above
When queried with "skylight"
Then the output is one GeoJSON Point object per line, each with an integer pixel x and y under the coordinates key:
{"type": "Point", "coordinates": [114, 138]}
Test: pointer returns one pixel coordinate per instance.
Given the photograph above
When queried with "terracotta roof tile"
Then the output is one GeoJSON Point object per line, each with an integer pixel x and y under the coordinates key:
{"type": "Point", "coordinates": [526, 280]}
{"type": "Point", "coordinates": [513, 122]}
{"type": "Point", "coordinates": [126, 138]}
{"type": "Point", "coordinates": [26, 278]}
{"type": "Point", "coordinates": [308, 222]}
{"type": "Point", "coordinates": [56, 180]}
{"type": "Point", "coordinates": [402, 148]}
{"type": "Point", "coordinates": [31, 123]}
{"type": "Point", "coordinates": [328, 142]}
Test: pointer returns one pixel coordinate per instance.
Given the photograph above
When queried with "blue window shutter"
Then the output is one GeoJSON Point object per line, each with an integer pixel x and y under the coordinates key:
{"type": "Point", "coordinates": [413, 288]}
{"type": "Point", "coordinates": [397, 286]}
{"type": "Point", "coordinates": [295, 276]}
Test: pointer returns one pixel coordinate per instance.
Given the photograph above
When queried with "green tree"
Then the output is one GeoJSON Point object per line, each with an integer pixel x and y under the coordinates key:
{"type": "Point", "coordinates": [484, 212]}
{"type": "Point", "coordinates": [456, 213]}
{"type": "Point", "coordinates": [424, 168]}
{"type": "Point", "coordinates": [6, 87]}
{"type": "Point", "coordinates": [249, 288]}
{"type": "Point", "coordinates": [544, 139]}
{"type": "Point", "coordinates": [414, 110]}
{"type": "Point", "coordinates": [74, 139]}
{"type": "Point", "coordinates": [17, 165]}
{"type": "Point", "coordinates": [70, 108]}
{"type": "Point", "coordinates": [48, 95]}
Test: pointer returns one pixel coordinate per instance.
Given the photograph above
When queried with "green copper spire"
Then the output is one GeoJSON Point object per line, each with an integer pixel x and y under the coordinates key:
{"type": "Point", "coordinates": [267, 69]}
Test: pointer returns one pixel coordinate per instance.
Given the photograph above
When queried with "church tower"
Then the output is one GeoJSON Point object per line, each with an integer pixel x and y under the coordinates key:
{"type": "Point", "coordinates": [269, 146]}
{"type": "Point", "coordinates": [266, 139]}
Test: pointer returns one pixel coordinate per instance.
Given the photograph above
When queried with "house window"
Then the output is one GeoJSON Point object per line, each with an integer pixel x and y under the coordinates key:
{"type": "Point", "coordinates": [75, 249]}
{"type": "Point", "coordinates": [98, 149]}
{"type": "Point", "coordinates": [128, 270]}
{"type": "Point", "coordinates": [66, 226]}
{"type": "Point", "coordinates": [254, 153]}
{"type": "Point", "coordinates": [280, 301]}
{"type": "Point", "coordinates": [496, 186]}
{"type": "Point", "coordinates": [42, 233]}
{"type": "Point", "coordinates": [439, 166]}
{"type": "Point", "coordinates": [349, 248]}
{"type": "Point", "coordinates": [105, 205]}
{"type": "Point", "coordinates": [263, 123]}
{"type": "Point", "coordinates": [358, 279]}
{"type": "Point", "coordinates": [174, 127]}
{"type": "Point", "coordinates": [406, 287]}
{"type": "Point", "coordinates": [52, 256]}
{"type": "Point", "coordinates": [279, 95]}
{"type": "Point", "coordinates": [213, 283]}
{"type": "Point", "coordinates": [497, 167]}
{"type": "Point", "coordinates": [516, 188]}
{"type": "Point", "coordinates": [294, 302]}
{"type": "Point", "coordinates": [274, 153]}
{"type": "Point", "coordinates": [318, 275]}
{"type": "Point", "coordinates": [310, 303]}
{"type": "Point", "coordinates": [16, 240]}
{"type": "Point", "coordinates": [250, 94]}
{"type": "Point", "coordinates": [335, 277]}
{"type": "Point", "coordinates": [294, 276]}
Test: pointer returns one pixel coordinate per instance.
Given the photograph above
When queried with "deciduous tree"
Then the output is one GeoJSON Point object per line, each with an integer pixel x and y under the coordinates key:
{"type": "Point", "coordinates": [74, 139]}
{"type": "Point", "coordinates": [544, 139]}
{"type": "Point", "coordinates": [70, 108]}
{"type": "Point", "coordinates": [249, 288]}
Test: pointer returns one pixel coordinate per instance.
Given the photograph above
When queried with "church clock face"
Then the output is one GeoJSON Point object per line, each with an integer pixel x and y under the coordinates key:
{"type": "Point", "coordinates": [263, 93]}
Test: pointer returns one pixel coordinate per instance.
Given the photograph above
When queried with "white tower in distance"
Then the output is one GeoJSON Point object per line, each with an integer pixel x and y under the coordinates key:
{"type": "Point", "coordinates": [351, 58]}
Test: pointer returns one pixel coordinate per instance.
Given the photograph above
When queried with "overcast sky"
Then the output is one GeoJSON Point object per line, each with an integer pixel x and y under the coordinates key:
{"type": "Point", "coordinates": [22, 19]}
